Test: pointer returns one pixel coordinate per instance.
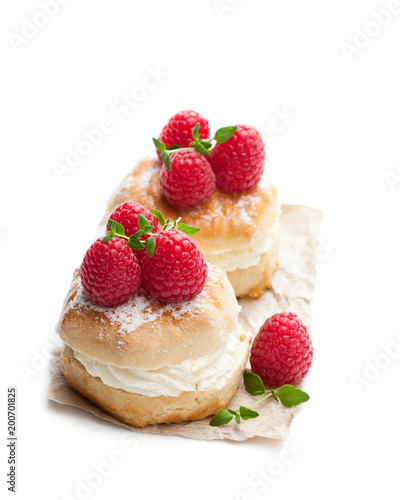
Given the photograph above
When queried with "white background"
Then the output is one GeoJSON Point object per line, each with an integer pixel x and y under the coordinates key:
{"type": "Point", "coordinates": [235, 62]}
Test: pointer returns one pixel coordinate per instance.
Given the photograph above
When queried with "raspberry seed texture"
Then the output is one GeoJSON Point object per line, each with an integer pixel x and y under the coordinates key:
{"type": "Point", "coordinates": [282, 351]}
{"type": "Point", "coordinates": [177, 271]}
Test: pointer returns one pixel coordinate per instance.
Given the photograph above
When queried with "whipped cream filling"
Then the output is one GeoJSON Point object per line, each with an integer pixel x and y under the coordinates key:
{"type": "Point", "coordinates": [245, 257]}
{"type": "Point", "coordinates": [190, 375]}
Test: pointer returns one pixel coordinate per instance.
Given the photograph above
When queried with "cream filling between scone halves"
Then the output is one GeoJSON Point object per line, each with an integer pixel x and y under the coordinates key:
{"type": "Point", "coordinates": [190, 375]}
{"type": "Point", "coordinates": [245, 257]}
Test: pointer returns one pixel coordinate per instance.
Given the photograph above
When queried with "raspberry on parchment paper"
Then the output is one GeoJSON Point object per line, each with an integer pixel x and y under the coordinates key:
{"type": "Point", "coordinates": [282, 351]}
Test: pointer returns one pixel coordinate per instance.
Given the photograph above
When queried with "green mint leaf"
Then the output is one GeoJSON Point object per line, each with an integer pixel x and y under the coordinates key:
{"type": "Point", "coordinates": [174, 146]}
{"type": "Point", "coordinates": [201, 149]}
{"type": "Point", "coordinates": [237, 418]}
{"type": "Point", "coordinates": [291, 396]}
{"type": "Point", "coordinates": [139, 233]}
{"type": "Point", "coordinates": [111, 223]}
{"type": "Point", "coordinates": [195, 132]}
{"type": "Point", "coordinates": [167, 162]}
{"type": "Point", "coordinates": [159, 216]}
{"type": "Point", "coordinates": [107, 238]}
{"type": "Point", "coordinates": [150, 244]}
{"type": "Point", "coordinates": [253, 384]}
{"type": "Point", "coordinates": [147, 228]}
{"type": "Point", "coordinates": [193, 143]}
{"type": "Point", "coordinates": [134, 243]}
{"type": "Point", "coordinates": [119, 229]}
{"type": "Point", "coordinates": [143, 222]}
{"type": "Point", "coordinates": [116, 228]}
{"type": "Point", "coordinates": [224, 134]}
{"type": "Point", "coordinates": [232, 412]}
{"type": "Point", "coordinates": [160, 146]}
{"type": "Point", "coordinates": [274, 395]}
{"type": "Point", "coordinates": [189, 230]}
{"type": "Point", "coordinates": [206, 144]}
{"type": "Point", "coordinates": [247, 413]}
{"type": "Point", "coordinates": [221, 418]}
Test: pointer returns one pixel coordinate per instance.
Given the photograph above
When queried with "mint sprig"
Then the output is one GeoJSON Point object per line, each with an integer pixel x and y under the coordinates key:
{"type": "Point", "coordinates": [168, 224]}
{"type": "Point", "coordinates": [145, 227]}
{"type": "Point", "coordinates": [200, 145]}
{"type": "Point", "coordinates": [288, 395]}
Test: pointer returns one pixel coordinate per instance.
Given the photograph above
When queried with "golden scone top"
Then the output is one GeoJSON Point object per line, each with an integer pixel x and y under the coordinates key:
{"type": "Point", "coordinates": [146, 334]}
{"type": "Point", "coordinates": [226, 220]}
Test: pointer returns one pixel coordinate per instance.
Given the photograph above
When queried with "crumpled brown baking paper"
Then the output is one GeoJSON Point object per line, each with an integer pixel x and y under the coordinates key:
{"type": "Point", "coordinates": [293, 285]}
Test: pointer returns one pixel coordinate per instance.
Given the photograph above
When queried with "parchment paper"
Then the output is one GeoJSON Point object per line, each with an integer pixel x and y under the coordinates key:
{"type": "Point", "coordinates": [293, 286]}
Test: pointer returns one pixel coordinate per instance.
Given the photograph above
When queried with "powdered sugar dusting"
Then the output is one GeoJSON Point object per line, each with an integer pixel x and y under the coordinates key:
{"type": "Point", "coordinates": [141, 308]}
{"type": "Point", "coordinates": [143, 179]}
{"type": "Point", "coordinates": [245, 204]}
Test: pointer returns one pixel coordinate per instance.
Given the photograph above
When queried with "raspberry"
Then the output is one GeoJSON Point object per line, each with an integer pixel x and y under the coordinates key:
{"type": "Point", "coordinates": [282, 352]}
{"type": "Point", "coordinates": [110, 272]}
{"type": "Point", "coordinates": [177, 270]}
{"type": "Point", "coordinates": [238, 163]}
{"type": "Point", "coordinates": [127, 215]}
{"type": "Point", "coordinates": [190, 181]}
{"type": "Point", "coordinates": [179, 127]}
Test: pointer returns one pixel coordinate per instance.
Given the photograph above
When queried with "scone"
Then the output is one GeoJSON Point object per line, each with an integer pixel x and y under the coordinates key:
{"type": "Point", "coordinates": [147, 362]}
{"type": "Point", "coordinates": [239, 231]}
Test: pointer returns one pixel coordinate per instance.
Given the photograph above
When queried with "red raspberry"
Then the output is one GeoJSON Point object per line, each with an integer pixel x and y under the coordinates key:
{"type": "Point", "coordinates": [190, 181]}
{"type": "Point", "coordinates": [282, 352]}
{"type": "Point", "coordinates": [177, 270]}
{"type": "Point", "coordinates": [110, 272]}
{"type": "Point", "coordinates": [238, 163]}
{"type": "Point", "coordinates": [179, 127]}
{"type": "Point", "coordinates": [127, 215]}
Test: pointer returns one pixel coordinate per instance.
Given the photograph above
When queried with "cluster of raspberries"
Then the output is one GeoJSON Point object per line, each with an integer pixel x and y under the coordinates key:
{"type": "Point", "coordinates": [112, 272]}
{"type": "Point", "coordinates": [234, 166]}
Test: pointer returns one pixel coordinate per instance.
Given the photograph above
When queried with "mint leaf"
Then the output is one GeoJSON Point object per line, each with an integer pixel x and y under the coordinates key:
{"type": "Point", "coordinates": [221, 418]}
{"type": "Point", "coordinates": [107, 238]}
{"type": "Point", "coordinates": [135, 243]}
{"type": "Point", "coordinates": [274, 395]}
{"type": "Point", "coordinates": [195, 133]}
{"type": "Point", "coordinates": [167, 162]}
{"type": "Point", "coordinates": [247, 413]}
{"type": "Point", "coordinates": [237, 418]}
{"type": "Point", "coordinates": [119, 229]}
{"type": "Point", "coordinates": [150, 245]}
{"type": "Point", "coordinates": [201, 149]}
{"type": "Point", "coordinates": [253, 384]}
{"type": "Point", "coordinates": [189, 230]}
{"type": "Point", "coordinates": [174, 146]}
{"type": "Point", "coordinates": [232, 412]}
{"type": "Point", "coordinates": [291, 396]}
{"type": "Point", "coordinates": [116, 228]}
{"type": "Point", "coordinates": [143, 222]}
{"type": "Point", "coordinates": [224, 134]}
{"type": "Point", "coordinates": [159, 216]}
{"type": "Point", "coordinates": [160, 146]}
{"type": "Point", "coordinates": [206, 144]}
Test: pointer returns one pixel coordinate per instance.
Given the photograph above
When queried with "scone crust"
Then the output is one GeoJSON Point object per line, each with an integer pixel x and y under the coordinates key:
{"type": "Point", "coordinates": [164, 341]}
{"type": "Point", "coordinates": [140, 411]}
{"type": "Point", "coordinates": [227, 221]}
